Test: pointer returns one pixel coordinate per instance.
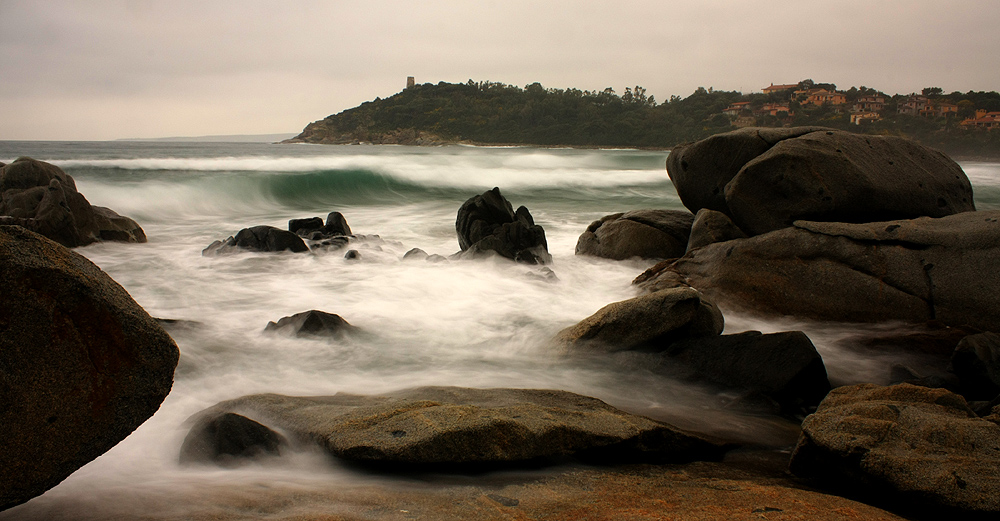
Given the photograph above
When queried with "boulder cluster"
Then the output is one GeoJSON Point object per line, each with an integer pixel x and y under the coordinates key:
{"type": "Point", "coordinates": [487, 225]}
{"type": "Point", "coordinates": [42, 198]}
{"type": "Point", "coordinates": [835, 226]}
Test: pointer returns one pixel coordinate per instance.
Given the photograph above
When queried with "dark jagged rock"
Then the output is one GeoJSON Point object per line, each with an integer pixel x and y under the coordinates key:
{"type": "Point", "coordinates": [647, 234]}
{"type": "Point", "coordinates": [469, 428]}
{"type": "Point", "coordinates": [782, 366]}
{"type": "Point", "coordinates": [81, 364]}
{"type": "Point", "coordinates": [115, 227]}
{"type": "Point", "coordinates": [904, 445]}
{"type": "Point", "coordinates": [765, 184]}
{"type": "Point", "coordinates": [487, 224]}
{"type": "Point", "coordinates": [42, 198]}
{"type": "Point", "coordinates": [229, 439]}
{"type": "Point", "coordinates": [258, 238]}
{"type": "Point", "coordinates": [710, 227]}
{"type": "Point", "coordinates": [917, 270]}
{"type": "Point", "coordinates": [311, 323]}
{"type": "Point", "coordinates": [976, 362]}
{"type": "Point", "coordinates": [649, 322]}
{"type": "Point", "coordinates": [336, 224]}
{"type": "Point", "coordinates": [305, 227]}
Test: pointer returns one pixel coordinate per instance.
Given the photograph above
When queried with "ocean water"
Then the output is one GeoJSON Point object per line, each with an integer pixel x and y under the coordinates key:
{"type": "Point", "coordinates": [469, 323]}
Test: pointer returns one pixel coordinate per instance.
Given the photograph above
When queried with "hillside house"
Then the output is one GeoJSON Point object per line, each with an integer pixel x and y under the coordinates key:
{"type": "Point", "coordinates": [821, 96]}
{"type": "Point", "coordinates": [869, 104]}
{"type": "Point", "coordinates": [779, 88]}
{"type": "Point", "coordinates": [772, 109]}
{"type": "Point", "coordinates": [860, 118]}
{"type": "Point", "coordinates": [734, 109]}
{"type": "Point", "coordinates": [983, 119]}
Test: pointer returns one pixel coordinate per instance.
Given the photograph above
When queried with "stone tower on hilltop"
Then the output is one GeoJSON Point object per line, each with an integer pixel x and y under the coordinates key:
{"type": "Point", "coordinates": [409, 81]}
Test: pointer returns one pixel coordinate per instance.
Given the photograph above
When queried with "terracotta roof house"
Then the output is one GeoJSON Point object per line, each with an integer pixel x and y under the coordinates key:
{"type": "Point", "coordinates": [821, 96]}
{"type": "Point", "coordinates": [734, 109]}
{"type": "Point", "coordinates": [987, 120]}
{"type": "Point", "coordinates": [779, 88]}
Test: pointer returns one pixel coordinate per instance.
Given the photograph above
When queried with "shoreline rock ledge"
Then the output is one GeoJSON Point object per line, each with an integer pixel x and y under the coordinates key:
{"type": "Point", "coordinates": [81, 364]}
{"type": "Point", "coordinates": [471, 429]}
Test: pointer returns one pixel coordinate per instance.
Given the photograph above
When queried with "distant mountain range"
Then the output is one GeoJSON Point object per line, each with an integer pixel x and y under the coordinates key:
{"type": "Point", "coordinates": [232, 138]}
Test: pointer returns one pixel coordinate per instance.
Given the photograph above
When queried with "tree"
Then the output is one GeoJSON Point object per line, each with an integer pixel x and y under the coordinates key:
{"type": "Point", "coordinates": [932, 91]}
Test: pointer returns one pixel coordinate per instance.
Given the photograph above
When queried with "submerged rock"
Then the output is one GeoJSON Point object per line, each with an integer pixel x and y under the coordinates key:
{"type": "Point", "coordinates": [469, 428]}
{"type": "Point", "coordinates": [229, 439]}
{"type": "Point", "coordinates": [647, 234]}
{"type": "Point", "coordinates": [765, 179]}
{"type": "Point", "coordinates": [311, 323]}
{"type": "Point", "coordinates": [904, 445]}
{"type": "Point", "coordinates": [81, 364]}
{"type": "Point", "coordinates": [42, 198]}
{"type": "Point", "coordinates": [649, 322]}
{"type": "Point", "coordinates": [258, 238]}
{"type": "Point", "coordinates": [487, 224]}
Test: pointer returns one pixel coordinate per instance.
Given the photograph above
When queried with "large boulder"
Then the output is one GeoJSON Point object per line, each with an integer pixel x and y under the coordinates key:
{"type": "Point", "coordinates": [258, 238]}
{"type": "Point", "coordinates": [906, 445]}
{"type": "Point", "coordinates": [81, 364]}
{"type": "Point", "coordinates": [42, 198]}
{"type": "Point", "coordinates": [821, 175]}
{"type": "Point", "coordinates": [487, 224]}
{"type": "Point", "coordinates": [648, 322]}
{"type": "Point", "coordinates": [647, 234]}
{"type": "Point", "coordinates": [454, 426]}
{"type": "Point", "coordinates": [914, 270]}
{"type": "Point", "coordinates": [700, 171]}
{"type": "Point", "coordinates": [784, 367]}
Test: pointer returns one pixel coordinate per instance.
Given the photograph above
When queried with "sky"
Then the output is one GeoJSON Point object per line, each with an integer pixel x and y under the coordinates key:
{"type": "Point", "coordinates": [97, 70]}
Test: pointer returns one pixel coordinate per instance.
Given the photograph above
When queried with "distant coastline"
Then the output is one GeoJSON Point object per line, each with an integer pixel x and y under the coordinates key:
{"type": "Point", "coordinates": [224, 138]}
{"type": "Point", "coordinates": [491, 114]}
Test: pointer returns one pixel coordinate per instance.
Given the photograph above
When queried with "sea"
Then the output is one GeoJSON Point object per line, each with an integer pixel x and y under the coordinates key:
{"type": "Point", "coordinates": [475, 323]}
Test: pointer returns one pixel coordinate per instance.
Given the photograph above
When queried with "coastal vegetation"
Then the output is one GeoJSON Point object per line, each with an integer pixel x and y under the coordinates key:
{"type": "Point", "coordinates": [495, 113]}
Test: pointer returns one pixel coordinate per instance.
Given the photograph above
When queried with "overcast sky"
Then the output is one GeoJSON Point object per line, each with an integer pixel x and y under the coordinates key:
{"type": "Point", "coordinates": [98, 70]}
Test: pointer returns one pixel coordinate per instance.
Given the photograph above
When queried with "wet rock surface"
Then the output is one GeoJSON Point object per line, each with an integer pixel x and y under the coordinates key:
{"type": "Point", "coordinates": [913, 270]}
{"type": "Point", "coordinates": [487, 224]}
{"type": "Point", "coordinates": [649, 322]}
{"type": "Point", "coordinates": [904, 445]}
{"type": "Point", "coordinates": [463, 428]}
{"type": "Point", "coordinates": [312, 323]}
{"type": "Point", "coordinates": [81, 364]}
{"type": "Point", "coordinates": [42, 198]}
{"type": "Point", "coordinates": [784, 175]}
{"type": "Point", "coordinates": [647, 234]}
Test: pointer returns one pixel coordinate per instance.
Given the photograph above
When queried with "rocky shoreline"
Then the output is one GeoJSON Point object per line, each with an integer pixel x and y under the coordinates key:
{"type": "Point", "coordinates": [805, 222]}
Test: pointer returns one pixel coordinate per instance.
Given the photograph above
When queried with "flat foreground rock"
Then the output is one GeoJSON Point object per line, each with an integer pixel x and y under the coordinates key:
{"type": "Point", "coordinates": [451, 426]}
{"type": "Point", "coordinates": [693, 492]}
{"type": "Point", "coordinates": [81, 364]}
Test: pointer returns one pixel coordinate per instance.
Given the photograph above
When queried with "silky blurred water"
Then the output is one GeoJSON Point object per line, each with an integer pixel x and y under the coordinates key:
{"type": "Point", "coordinates": [469, 323]}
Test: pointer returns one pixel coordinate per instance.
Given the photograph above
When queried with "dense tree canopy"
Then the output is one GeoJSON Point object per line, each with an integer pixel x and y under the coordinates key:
{"type": "Point", "coordinates": [496, 113]}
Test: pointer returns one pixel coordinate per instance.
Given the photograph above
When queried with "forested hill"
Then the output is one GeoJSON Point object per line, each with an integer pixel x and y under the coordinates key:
{"type": "Point", "coordinates": [495, 113]}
